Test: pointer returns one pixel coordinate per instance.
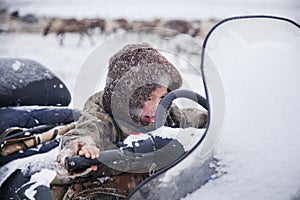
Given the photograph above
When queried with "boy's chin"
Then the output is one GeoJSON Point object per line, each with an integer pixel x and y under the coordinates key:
{"type": "Point", "coordinates": [145, 122]}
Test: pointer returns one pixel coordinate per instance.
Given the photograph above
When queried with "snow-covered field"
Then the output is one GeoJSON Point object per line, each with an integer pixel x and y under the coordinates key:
{"type": "Point", "coordinates": [258, 164]}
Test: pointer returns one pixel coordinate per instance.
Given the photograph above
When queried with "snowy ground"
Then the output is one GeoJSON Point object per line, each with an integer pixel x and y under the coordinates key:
{"type": "Point", "coordinates": [249, 176]}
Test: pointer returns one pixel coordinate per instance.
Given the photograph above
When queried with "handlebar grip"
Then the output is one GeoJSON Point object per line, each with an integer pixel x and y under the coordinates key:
{"type": "Point", "coordinates": [129, 161]}
{"type": "Point", "coordinates": [79, 162]}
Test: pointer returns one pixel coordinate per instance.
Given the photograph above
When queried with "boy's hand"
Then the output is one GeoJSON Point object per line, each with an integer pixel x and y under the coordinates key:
{"type": "Point", "coordinates": [90, 152]}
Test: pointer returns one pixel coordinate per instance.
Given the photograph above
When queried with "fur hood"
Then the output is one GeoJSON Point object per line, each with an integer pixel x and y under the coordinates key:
{"type": "Point", "coordinates": [134, 72]}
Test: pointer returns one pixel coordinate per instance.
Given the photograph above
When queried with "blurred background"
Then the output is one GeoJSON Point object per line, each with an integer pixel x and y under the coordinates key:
{"type": "Point", "coordinates": [61, 34]}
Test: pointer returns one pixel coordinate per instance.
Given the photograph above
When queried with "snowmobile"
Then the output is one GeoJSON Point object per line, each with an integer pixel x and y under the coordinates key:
{"type": "Point", "coordinates": [227, 80]}
{"type": "Point", "coordinates": [229, 100]}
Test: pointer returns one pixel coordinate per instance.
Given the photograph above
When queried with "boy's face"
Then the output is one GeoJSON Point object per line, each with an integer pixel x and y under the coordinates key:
{"type": "Point", "coordinates": [150, 106]}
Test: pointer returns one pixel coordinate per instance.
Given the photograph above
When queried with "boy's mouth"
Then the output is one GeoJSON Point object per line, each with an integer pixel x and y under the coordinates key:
{"type": "Point", "coordinates": [149, 118]}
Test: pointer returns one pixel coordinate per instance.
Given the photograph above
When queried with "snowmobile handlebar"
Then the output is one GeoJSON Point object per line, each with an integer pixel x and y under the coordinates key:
{"type": "Point", "coordinates": [75, 163]}
{"type": "Point", "coordinates": [137, 161]}
{"type": "Point", "coordinates": [128, 159]}
{"type": "Point", "coordinates": [165, 103]}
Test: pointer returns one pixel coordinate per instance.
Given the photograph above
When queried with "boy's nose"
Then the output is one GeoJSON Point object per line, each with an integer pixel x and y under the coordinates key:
{"type": "Point", "coordinates": [155, 105]}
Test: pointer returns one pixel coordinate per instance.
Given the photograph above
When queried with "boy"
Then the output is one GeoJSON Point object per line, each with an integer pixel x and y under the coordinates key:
{"type": "Point", "coordinates": [138, 78]}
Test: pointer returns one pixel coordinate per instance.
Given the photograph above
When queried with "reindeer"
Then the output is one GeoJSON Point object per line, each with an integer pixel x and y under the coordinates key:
{"type": "Point", "coordinates": [171, 28]}
{"type": "Point", "coordinates": [144, 26]}
{"type": "Point", "coordinates": [97, 23]}
{"type": "Point", "coordinates": [180, 26]}
{"type": "Point", "coordinates": [112, 26]}
{"type": "Point", "coordinates": [62, 26]}
{"type": "Point", "coordinates": [206, 25]}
